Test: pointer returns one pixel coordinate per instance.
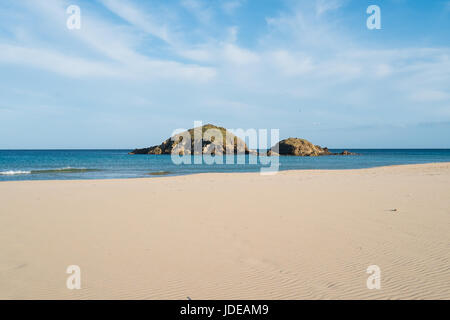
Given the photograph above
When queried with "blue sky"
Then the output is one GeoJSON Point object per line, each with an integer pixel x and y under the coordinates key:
{"type": "Point", "coordinates": [137, 70]}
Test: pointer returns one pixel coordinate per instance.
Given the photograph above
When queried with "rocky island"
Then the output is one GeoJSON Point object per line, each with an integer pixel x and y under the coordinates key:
{"type": "Point", "coordinates": [217, 140]}
{"type": "Point", "coordinates": [205, 139]}
{"type": "Point", "coordinates": [304, 148]}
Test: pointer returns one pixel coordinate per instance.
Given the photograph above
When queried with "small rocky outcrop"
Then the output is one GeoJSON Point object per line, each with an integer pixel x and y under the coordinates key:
{"type": "Point", "coordinates": [209, 139]}
{"type": "Point", "coordinates": [271, 153]}
{"type": "Point", "coordinates": [299, 147]}
{"type": "Point", "coordinates": [347, 153]}
{"type": "Point", "coordinates": [303, 148]}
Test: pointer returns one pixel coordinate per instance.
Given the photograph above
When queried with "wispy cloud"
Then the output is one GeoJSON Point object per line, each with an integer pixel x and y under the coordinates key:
{"type": "Point", "coordinates": [54, 61]}
{"type": "Point", "coordinates": [322, 6]}
{"type": "Point", "coordinates": [199, 9]}
{"type": "Point", "coordinates": [138, 18]}
{"type": "Point", "coordinates": [115, 44]}
{"type": "Point", "coordinates": [191, 58]}
{"type": "Point", "coordinates": [430, 96]}
{"type": "Point", "coordinates": [230, 6]}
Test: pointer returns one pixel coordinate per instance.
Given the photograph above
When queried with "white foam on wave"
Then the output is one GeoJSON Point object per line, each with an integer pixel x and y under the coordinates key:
{"type": "Point", "coordinates": [12, 172]}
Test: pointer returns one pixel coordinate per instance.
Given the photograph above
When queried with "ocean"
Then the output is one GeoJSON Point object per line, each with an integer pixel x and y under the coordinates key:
{"type": "Point", "coordinates": [117, 164]}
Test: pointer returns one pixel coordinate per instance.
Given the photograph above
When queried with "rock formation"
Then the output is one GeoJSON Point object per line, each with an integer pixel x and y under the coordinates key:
{"type": "Point", "coordinates": [216, 140]}
{"type": "Point", "coordinates": [304, 148]}
{"type": "Point", "coordinates": [205, 139]}
{"type": "Point", "coordinates": [299, 147]}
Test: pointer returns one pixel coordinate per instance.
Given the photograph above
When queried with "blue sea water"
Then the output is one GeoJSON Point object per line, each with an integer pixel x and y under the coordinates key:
{"type": "Point", "coordinates": [113, 164]}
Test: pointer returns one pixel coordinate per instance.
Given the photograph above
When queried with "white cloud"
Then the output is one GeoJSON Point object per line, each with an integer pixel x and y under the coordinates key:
{"type": "Point", "coordinates": [291, 64]}
{"type": "Point", "coordinates": [322, 6]}
{"type": "Point", "coordinates": [230, 6]}
{"type": "Point", "coordinates": [199, 10]}
{"type": "Point", "coordinates": [201, 54]}
{"type": "Point", "coordinates": [233, 33]}
{"type": "Point", "coordinates": [382, 70]}
{"type": "Point", "coordinates": [301, 57]}
{"type": "Point", "coordinates": [139, 19]}
{"type": "Point", "coordinates": [53, 61]}
{"type": "Point", "coordinates": [115, 44]}
{"type": "Point", "coordinates": [237, 55]}
{"type": "Point", "coordinates": [429, 96]}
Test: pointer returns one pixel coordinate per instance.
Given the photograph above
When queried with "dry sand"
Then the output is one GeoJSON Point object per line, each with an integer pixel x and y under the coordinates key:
{"type": "Point", "coordinates": [295, 235]}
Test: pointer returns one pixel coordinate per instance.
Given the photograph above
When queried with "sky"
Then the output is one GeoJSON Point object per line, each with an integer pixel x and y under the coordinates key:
{"type": "Point", "coordinates": [137, 70]}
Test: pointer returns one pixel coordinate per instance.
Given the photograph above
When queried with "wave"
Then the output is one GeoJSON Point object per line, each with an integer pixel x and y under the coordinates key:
{"type": "Point", "coordinates": [59, 170]}
{"type": "Point", "coordinates": [12, 172]}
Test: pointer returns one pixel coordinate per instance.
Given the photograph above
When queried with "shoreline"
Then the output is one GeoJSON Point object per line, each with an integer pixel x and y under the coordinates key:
{"type": "Point", "coordinates": [150, 176]}
{"type": "Point", "coordinates": [299, 234]}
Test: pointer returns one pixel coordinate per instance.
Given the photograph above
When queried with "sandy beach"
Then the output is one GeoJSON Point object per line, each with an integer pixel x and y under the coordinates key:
{"type": "Point", "coordinates": [294, 235]}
